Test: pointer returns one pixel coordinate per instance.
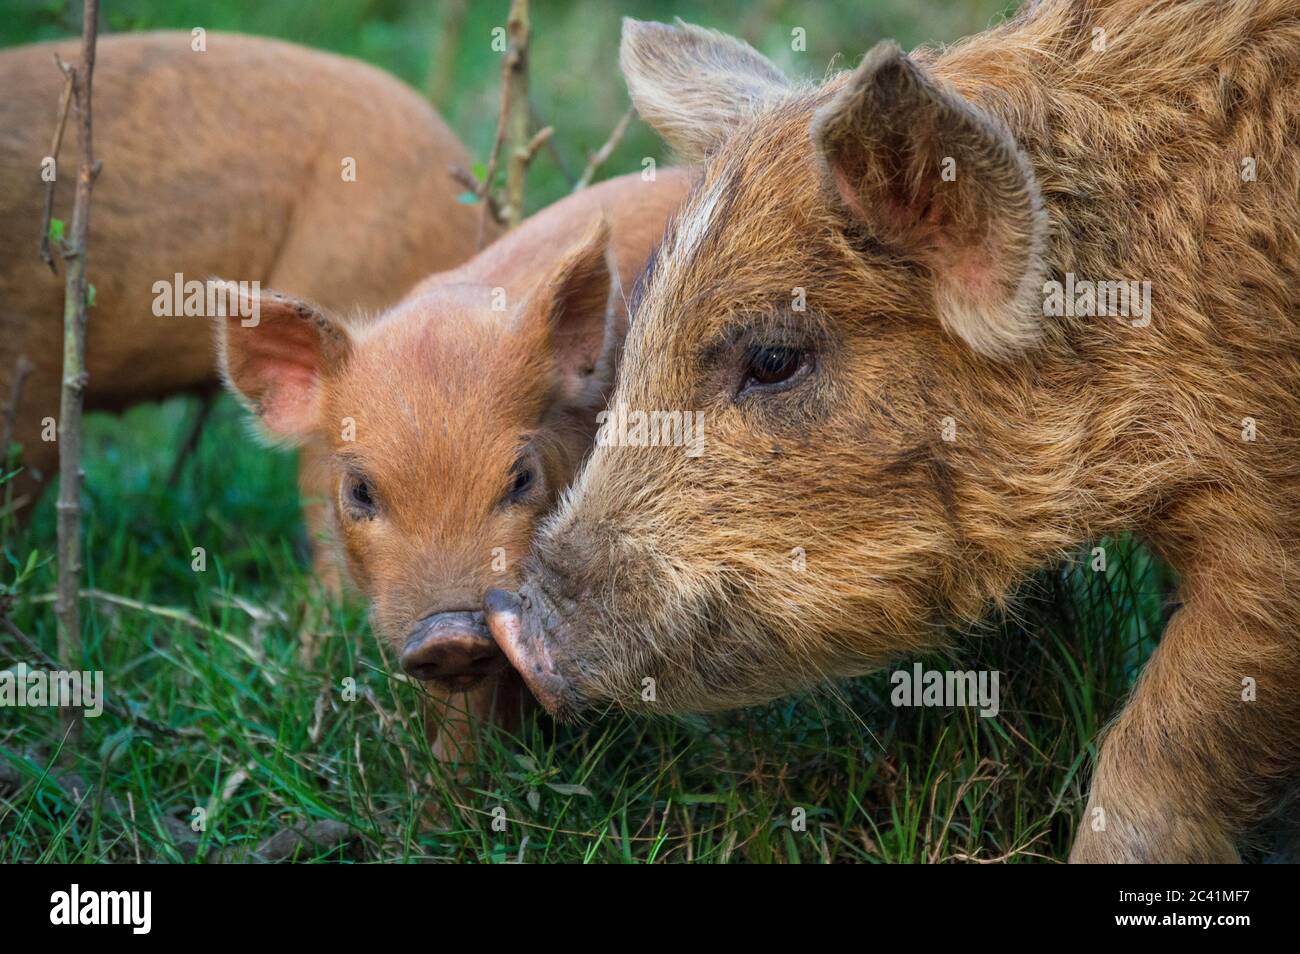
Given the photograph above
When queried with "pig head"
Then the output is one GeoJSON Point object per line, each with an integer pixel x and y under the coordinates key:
{"type": "Point", "coordinates": [453, 422]}
{"type": "Point", "coordinates": [813, 313]}
{"type": "Point", "coordinates": [451, 429]}
{"type": "Point", "coordinates": [857, 299]}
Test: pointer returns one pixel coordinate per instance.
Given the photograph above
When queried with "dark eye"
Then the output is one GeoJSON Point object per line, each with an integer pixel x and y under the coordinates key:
{"type": "Point", "coordinates": [523, 480]}
{"type": "Point", "coordinates": [359, 496]}
{"type": "Point", "coordinates": [770, 367]}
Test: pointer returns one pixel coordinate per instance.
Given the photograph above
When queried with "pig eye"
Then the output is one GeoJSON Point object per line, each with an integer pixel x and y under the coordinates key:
{"type": "Point", "coordinates": [525, 476]}
{"type": "Point", "coordinates": [359, 497]}
{"type": "Point", "coordinates": [522, 480]}
{"type": "Point", "coordinates": [773, 368]}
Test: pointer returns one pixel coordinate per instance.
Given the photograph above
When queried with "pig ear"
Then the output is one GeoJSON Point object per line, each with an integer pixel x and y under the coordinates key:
{"type": "Point", "coordinates": [946, 183]}
{"type": "Point", "coordinates": [573, 308]}
{"type": "Point", "coordinates": [272, 359]}
{"type": "Point", "coordinates": [693, 85]}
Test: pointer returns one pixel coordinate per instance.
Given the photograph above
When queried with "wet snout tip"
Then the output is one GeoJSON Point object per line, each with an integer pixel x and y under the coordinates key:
{"type": "Point", "coordinates": [509, 625]}
{"type": "Point", "coordinates": [503, 612]}
{"type": "Point", "coordinates": [501, 604]}
{"type": "Point", "coordinates": [452, 648]}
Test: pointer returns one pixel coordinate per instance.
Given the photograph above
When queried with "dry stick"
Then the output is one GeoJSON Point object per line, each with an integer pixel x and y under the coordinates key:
{"type": "Point", "coordinates": [64, 103]}
{"type": "Point", "coordinates": [67, 608]}
{"type": "Point", "coordinates": [601, 155]}
{"type": "Point", "coordinates": [484, 190]}
{"type": "Point", "coordinates": [121, 711]}
{"type": "Point", "coordinates": [540, 139]}
{"type": "Point", "coordinates": [550, 148]}
{"type": "Point", "coordinates": [467, 179]}
{"type": "Point", "coordinates": [519, 148]}
{"type": "Point", "coordinates": [513, 117]}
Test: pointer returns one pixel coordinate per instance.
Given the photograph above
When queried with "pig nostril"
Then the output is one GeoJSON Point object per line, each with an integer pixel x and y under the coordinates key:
{"type": "Point", "coordinates": [452, 647]}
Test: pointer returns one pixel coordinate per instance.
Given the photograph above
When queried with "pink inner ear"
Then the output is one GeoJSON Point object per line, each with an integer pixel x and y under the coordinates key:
{"type": "Point", "coordinates": [973, 268]}
{"type": "Point", "coordinates": [276, 367]}
{"type": "Point", "coordinates": [964, 261]}
{"type": "Point", "coordinates": [848, 192]}
{"type": "Point", "coordinates": [897, 220]}
{"type": "Point", "coordinates": [289, 404]}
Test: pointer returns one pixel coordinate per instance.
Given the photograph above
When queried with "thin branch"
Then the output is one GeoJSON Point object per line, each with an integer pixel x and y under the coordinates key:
{"type": "Point", "coordinates": [467, 179]}
{"type": "Point", "coordinates": [542, 137]}
{"type": "Point", "coordinates": [554, 153]}
{"type": "Point", "coordinates": [67, 608]}
{"type": "Point", "coordinates": [69, 79]}
{"type": "Point", "coordinates": [601, 155]}
{"type": "Point", "coordinates": [512, 137]}
{"type": "Point", "coordinates": [494, 157]}
{"type": "Point", "coordinates": [515, 99]}
{"type": "Point", "coordinates": [124, 713]}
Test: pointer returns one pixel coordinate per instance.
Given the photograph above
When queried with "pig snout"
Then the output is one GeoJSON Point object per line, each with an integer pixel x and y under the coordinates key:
{"type": "Point", "coordinates": [451, 648]}
{"type": "Point", "coordinates": [519, 623]}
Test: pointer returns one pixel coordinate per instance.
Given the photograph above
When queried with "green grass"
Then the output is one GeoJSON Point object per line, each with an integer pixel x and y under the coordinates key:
{"type": "Point", "coordinates": [269, 740]}
{"type": "Point", "coordinates": [876, 783]}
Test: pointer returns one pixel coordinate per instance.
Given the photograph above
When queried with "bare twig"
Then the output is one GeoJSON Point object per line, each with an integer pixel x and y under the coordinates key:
{"type": "Point", "coordinates": [69, 76]}
{"type": "Point", "coordinates": [601, 155]}
{"type": "Point", "coordinates": [12, 506]}
{"type": "Point", "coordinates": [515, 96]}
{"type": "Point", "coordinates": [68, 608]}
{"type": "Point", "coordinates": [512, 136]}
{"type": "Point", "coordinates": [122, 712]}
{"type": "Point", "coordinates": [540, 139]}
{"type": "Point", "coordinates": [191, 440]}
{"type": "Point", "coordinates": [554, 153]}
{"type": "Point", "coordinates": [466, 178]}
{"type": "Point", "coordinates": [490, 206]}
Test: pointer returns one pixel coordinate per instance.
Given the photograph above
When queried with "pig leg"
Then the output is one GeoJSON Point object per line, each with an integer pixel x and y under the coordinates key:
{"type": "Point", "coordinates": [1204, 747]}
